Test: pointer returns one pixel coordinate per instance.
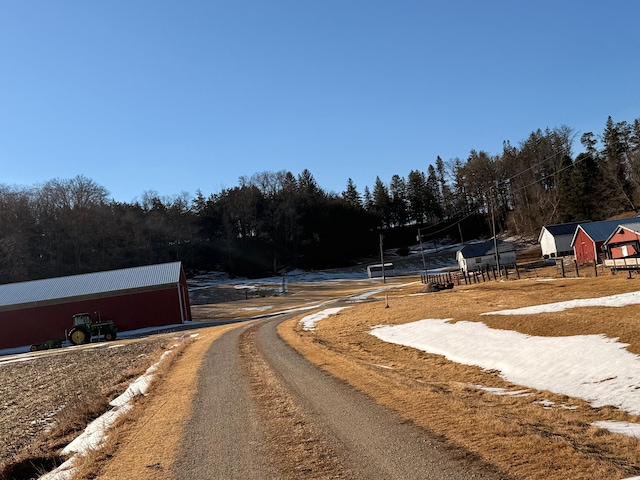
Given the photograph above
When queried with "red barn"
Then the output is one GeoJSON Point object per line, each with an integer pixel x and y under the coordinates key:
{"type": "Point", "coordinates": [589, 237]}
{"type": "Point", "coordinates": [624, 241]}
{"type": "Point", "coordinates": [139, 297]}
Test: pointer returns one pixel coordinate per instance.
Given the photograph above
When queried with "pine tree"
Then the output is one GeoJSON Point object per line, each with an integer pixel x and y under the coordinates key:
{"type": "Point", "coordinates": [351, 195]}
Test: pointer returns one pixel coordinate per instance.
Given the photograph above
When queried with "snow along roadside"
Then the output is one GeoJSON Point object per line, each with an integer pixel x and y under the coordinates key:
{"type": "Point", "coordinates": [95, 434]}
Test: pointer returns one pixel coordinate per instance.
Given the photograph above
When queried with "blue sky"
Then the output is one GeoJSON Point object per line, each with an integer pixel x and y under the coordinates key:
{"type": "Point", "coordinates": [175, 96]}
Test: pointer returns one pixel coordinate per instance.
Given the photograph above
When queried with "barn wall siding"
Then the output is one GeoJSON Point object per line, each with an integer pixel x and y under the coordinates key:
{"type": "Point", "coordinates": [129, 312]}
{"type": "Point", "coordinates": [584, 248]}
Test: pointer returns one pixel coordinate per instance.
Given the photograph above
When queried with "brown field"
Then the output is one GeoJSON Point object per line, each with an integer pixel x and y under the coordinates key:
{"type": "Point", "coordinates": [519, 436]}
{"type": "Point", "coordinates": [47, 401]}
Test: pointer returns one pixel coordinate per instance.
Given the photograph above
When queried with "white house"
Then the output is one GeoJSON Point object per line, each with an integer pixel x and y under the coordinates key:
{"type": "Point", "coordinates": [478, 256]}
{"type": "Point", "coordinates": [555, 240]}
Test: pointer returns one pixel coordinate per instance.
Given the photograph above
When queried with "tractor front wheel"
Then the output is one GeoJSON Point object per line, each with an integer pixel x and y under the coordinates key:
{"type": "Point", "coordinates": [110, 335]}
{"type": "Point", "coordinates": [78, 336]}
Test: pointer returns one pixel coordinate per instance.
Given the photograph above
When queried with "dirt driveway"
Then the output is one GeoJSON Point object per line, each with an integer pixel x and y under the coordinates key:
{"type": "Point", "coordinates": [260, 410]}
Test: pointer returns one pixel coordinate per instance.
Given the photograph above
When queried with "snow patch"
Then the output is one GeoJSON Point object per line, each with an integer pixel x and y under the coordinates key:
{"type": "Point", "coordinates": [625, 428]}
{"type": "Point", "coordinates": [595, 368]}
{"type": "Point", "coordinates": [309, 322]}
{"type": "Point", "coordinates": [620, 300]}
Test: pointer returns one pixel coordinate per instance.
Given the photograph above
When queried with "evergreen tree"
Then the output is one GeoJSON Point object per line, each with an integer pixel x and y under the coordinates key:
{"type": "Point", "coordinates": [382, 203]}
{"type": "Point", "coordinates": [433, 194]}
{"type": "Point", "coordinates": [367, 199]}
{"type": "Point", "coordinates": [351, 195]}
{"type": "Point", "coordinates": [445, 190]}
{"type": "Point", "coordinates": [615, 164]}
{"type": "Point", "coordinates": [398, 193]}
{"type": "Point", "coordinates": [417, 196]}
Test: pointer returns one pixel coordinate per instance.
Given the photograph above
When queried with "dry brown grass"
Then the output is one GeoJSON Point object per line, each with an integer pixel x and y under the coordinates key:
{"type": "Point", "coordinates": [517, 434]}
{"type": "Point", "coordinates": [297, 448]}
{"type": "Point", "coordinates": [90, 464]}
{"type": "Point", "coordinates": [158, 420]}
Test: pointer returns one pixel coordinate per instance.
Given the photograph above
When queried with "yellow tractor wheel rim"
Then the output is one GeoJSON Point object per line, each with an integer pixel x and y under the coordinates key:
{"type": "Point", "coordinates": [77, 336]}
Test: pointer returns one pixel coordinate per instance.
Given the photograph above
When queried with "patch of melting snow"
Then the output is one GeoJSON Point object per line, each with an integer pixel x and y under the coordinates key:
{"type": "Point", "coordinates": [624, 428]}
{"type": "Point", "coordinates": [619, 300]}
{"type": "Point", "coordinates": [595, 368]}
{"type": "Point", "coordinates": [259, 309]}
{"type": "Point", "coordinates": [309, 322]}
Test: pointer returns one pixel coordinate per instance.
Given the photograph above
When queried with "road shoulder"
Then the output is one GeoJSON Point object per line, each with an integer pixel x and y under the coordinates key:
{"type": "Point", "coordinates": [146, 447]}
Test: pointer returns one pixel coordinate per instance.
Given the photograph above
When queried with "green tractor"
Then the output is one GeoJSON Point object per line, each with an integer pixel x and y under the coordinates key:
{"type": "Point", "coordinates": [84, 329]}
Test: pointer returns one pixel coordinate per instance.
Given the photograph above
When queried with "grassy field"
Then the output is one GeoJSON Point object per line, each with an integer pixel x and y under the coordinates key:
{"type": "Point", "coordinates": [518, 434]}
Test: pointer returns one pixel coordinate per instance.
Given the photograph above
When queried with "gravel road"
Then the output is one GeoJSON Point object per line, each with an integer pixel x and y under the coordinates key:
{"type": "Point", "coordinates": [263, 411]}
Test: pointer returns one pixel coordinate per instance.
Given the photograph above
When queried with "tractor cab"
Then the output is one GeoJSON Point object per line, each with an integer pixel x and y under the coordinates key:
{"type": "Point", "coordinates": [81, 319]}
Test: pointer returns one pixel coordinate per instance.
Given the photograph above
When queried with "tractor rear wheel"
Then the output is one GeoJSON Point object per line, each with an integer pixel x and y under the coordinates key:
{"type": "Point", "coordinates": [78, 336]}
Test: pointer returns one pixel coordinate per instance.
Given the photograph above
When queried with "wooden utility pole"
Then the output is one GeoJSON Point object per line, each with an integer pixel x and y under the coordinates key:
{"type": "Point", "coordinates": [424, 263]}
{"type": "Point", "coordinates": [384, 279]}
{"type": "Point", "coordinates": [495, 239]}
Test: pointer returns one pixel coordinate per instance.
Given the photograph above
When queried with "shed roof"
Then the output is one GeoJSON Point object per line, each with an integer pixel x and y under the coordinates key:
{"type": "Point", "coordinates": [600, 231]}
{"type": "Point", "coordinates": [87, 285]}
{"type": "Point", "coordinates": [472, 250]}
{"type": "Point", "coordinates": [560, 229]}
{"type": "Point", "coordinates": [634, 227]}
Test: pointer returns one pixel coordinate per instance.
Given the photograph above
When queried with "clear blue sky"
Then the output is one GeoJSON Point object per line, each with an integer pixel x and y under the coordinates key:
{"type": "Point", "coordinates": [176, 96]}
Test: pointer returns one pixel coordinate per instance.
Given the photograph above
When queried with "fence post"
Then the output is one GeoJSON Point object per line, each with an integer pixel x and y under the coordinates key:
{"type": "Point", "coordinates": [562, 267]}
{"type": "Point", "coordinates": [575, 262]}
{"type": "Point", "coordinates": [595, 268]}
{"type": "Point", "coordinates": [517, 272]}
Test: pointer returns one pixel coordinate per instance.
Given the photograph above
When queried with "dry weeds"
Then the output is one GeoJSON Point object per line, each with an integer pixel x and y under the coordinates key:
{"type": "Point", "coordinates": [517, 434]}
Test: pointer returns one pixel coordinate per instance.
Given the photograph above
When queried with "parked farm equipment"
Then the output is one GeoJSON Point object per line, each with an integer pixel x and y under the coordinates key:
{"type": "Point", "coordinates": [46, 345]}
{"type": "Point", "coordinates": [84, 329]}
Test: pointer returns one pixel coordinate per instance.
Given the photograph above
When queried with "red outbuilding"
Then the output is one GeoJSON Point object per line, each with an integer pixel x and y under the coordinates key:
{"type": "Point", "coordinates": [624, 242]}
{"type": "Point", "coordinates": [40, 310]}
{"type": "Point", "coordinates": [589, 237]}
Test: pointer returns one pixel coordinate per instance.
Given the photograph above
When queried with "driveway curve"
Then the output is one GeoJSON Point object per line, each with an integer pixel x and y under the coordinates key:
{"type": "Point", "coordinates": [261, 410]}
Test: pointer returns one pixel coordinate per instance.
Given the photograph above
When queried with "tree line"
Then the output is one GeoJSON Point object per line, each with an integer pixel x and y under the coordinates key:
{"type": "Point", "coordinates": [272, 221]}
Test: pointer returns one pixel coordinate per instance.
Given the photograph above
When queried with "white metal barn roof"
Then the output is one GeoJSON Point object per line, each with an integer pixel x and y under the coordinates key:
{"type": "Point", "coordinates": [90, 284]}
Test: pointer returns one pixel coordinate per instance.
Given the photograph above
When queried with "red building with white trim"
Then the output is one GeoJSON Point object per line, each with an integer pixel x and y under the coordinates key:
{"type": "Point", "coordinates": [623, 242]}
{"type": "Point", "coordinates": [589, 237]}
{"type": "Point", "coordinates": [139, 297]}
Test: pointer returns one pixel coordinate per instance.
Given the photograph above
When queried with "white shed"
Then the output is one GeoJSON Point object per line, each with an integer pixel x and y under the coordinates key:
{"type": "Point", "coordinates": [555, 240]}
{"type": "Point", "coordinates": [375, 271]}
{"type": "Point", "coordinates": [478, 256]}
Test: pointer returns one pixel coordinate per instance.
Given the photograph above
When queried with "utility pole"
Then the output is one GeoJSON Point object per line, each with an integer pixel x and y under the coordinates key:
{"type": "Point", "coordinates": [424, 263]}
{"type": "Point", "coordinates": [495, 238]}
{"type": "Point", "coordinates": [384, 279]}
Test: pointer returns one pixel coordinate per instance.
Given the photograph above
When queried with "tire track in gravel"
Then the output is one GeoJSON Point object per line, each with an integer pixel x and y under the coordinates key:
{"type": "Point", "coordinates": [263, 411]}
